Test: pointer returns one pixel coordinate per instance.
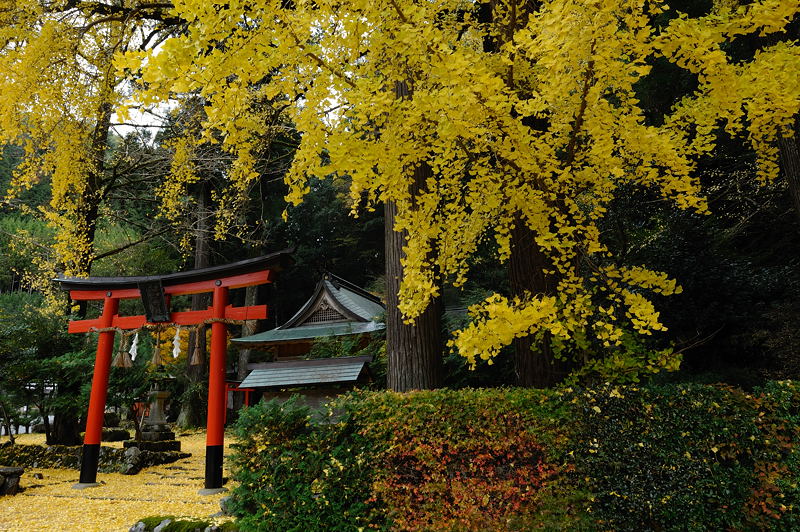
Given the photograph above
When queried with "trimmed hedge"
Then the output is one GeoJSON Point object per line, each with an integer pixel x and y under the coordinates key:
{"type": "Point", "coordinates": [687, 457]}
{"type": "Point", "coordinates": [454, 459]}
{"type": "Point", "coordinates": [296, 476]}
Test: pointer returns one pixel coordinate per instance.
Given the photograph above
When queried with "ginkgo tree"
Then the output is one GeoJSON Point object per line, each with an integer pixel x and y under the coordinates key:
{"type": "Point", "coordinates": [526, 116]}
{"type": "Point", "coordinates": [58, 93]}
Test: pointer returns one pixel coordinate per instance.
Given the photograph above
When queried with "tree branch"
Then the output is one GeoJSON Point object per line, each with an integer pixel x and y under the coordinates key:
{"type": "Point", "coordinates": [129, 245]}
{"type": "Point", "coordinates": [576, 127]}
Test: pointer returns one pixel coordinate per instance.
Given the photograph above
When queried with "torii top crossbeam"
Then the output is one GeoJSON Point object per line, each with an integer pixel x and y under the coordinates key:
{"type": "Point", "coordinates": [155, 292]}
{"type": "Point", "coordinates": [240, 274]}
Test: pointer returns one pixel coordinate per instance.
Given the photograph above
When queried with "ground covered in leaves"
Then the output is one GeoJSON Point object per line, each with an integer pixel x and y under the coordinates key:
{"type": "Point", "coordinates": [50, 503]}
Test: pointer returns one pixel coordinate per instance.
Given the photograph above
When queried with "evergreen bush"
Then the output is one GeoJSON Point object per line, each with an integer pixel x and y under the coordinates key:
{"type": "Point", "coordinates": [655, 457]}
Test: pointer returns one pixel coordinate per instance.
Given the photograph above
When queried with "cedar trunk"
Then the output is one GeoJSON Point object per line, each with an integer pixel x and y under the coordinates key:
{"type": "Point", "coordinates": [789, 150]}
{"type": "Point", "coordinates": [534, 363]}
{"type": "Point", "coordinates": [414, 351]}
{"type": "Point", "coordinates": [192, 412]}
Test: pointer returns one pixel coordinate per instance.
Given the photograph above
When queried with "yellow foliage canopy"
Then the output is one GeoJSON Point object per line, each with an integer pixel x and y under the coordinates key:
{"type": "Point", "coordinates": [545, 128]}
{"type": "Point", "coordinates": [57, 93]}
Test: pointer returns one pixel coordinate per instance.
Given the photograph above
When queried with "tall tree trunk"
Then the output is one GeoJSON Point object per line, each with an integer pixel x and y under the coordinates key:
{"type": "Point", "coordinates": [414, 351]}
{"type": "Point", "coordinates": [192, 413]}
{"type": "Point", "coordinates": [534, 363]}
{"type": "Point", "coordinates": [7, 422]}
{"type": "Point", "coordinates": [97, 180]}
{"type": "Point", "coordinates": [88, 208]}
{"type": "Point", "coordinates": [48, 430]}
{"type": "Point", "coordinates": [789, 150]}
{"type": "Point", "coordinates": [66, 429]}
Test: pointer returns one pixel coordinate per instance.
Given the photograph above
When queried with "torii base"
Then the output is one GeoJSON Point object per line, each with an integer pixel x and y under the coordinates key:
{"type": "Point", "coordinates": [214, 454]}
{"type": "Point", "coordinates": [212, 491]}
{"type": "Point", "coordinates": [84, 485]}
{"type": "Point", "coordinates": [89, 462]}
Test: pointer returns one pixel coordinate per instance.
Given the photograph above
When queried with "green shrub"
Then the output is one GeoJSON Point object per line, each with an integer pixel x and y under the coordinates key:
{"type": "Point", "coordinates": [656, 457]}
{"type": "Point", "coordinates": [687, 457]}
{"type": "Point", "coordinates": [775, 501]}
{"type": "Point", "coordinates": [464, 460]}
{"type": "Point", "coordinates": [297, 477]}
{"type": "Point", "coordinates": [432, 460]}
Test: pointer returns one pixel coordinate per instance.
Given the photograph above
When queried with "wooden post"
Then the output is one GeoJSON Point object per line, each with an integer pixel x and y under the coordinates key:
{"type": "Point", "coordinates": [215, 431]}
{"type": "Point", "coordinates": [97, 400]}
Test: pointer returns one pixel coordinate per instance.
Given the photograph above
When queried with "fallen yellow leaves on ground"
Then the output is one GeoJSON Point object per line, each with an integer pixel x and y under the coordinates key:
{"type": "Point", "coordinates": [50, 503]}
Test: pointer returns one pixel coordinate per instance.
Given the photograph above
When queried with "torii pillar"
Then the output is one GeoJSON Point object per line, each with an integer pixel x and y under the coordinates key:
{"type": "Point", "coordinates": [155, 292]}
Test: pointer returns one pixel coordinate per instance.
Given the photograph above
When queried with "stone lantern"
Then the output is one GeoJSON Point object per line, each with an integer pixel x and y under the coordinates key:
{"type": "Point", "coordinates": [157, 435]}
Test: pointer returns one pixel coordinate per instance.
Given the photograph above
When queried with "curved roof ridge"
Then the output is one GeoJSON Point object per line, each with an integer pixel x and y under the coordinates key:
{"type": "Point", "coordinates": [352, 287]}
{"type": "Point", "coordinates": [288, 324]}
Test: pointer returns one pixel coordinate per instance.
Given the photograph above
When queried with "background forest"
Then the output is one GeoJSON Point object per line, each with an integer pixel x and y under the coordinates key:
{"type": "Point", "coordinates": [735, 320]}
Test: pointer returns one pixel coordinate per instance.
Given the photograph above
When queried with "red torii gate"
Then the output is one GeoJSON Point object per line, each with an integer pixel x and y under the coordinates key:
{"type": "Point", "coordinates": [155, 292]}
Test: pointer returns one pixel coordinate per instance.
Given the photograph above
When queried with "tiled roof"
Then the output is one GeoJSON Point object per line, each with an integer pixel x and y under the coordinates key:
{"type": "Point", "coordinates": [309, 332]}
{"type": "Point", "coordinates": [306, 372]}
{"type": "Point", "coordinates": [336, 308]}
{"type": "Point", "coordinates": [355, 302]}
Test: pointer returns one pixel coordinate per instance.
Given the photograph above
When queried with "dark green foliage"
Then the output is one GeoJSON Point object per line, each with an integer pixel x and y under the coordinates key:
{"type": "Point", "coordinates": [39, 194]}
{"type": "Point", "coordinates": [297, 477]}
{"type": "Point", "coordinates": [26, 331]}
{"type": "Point", "coordinates": [778, 470]}
{"type": "Point", "coordinates": [346, 346]}
{"type": "Point", "coordinates": [326, 238]}
{"type": "Point", "coordinates": [737, 267]}
{"type": "Point", "coordinates": [678, 457]}
{"type": "Point", "coordinates": [372, 344]}
{"type": "Point", "coordinates": [44, 367]}
{"type": "Point", "coordinates": [657, 457]}
{"type": "Point", "coordinates": [457, 371]}
{"type": "Point", "coordinates": [40, 365]}
{"type": "Point", "coordinates": [192, 392]}
{"type": "Point", "coordinates": [384, 449]}
{"type": "Point", "coordinates": [688, 457]}
{"type": "Point", "coordinates": [17, 259]}
{"type": "Point", "coordinates": [151, 257]}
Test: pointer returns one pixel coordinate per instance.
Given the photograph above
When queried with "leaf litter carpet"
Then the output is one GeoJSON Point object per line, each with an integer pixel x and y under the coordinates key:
{"type": "Point", "coordinates": [50, 503]}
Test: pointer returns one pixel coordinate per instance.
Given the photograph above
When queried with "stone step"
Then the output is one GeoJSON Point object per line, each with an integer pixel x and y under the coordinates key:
{"type": "Point", "coordinates": [158, 446]}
